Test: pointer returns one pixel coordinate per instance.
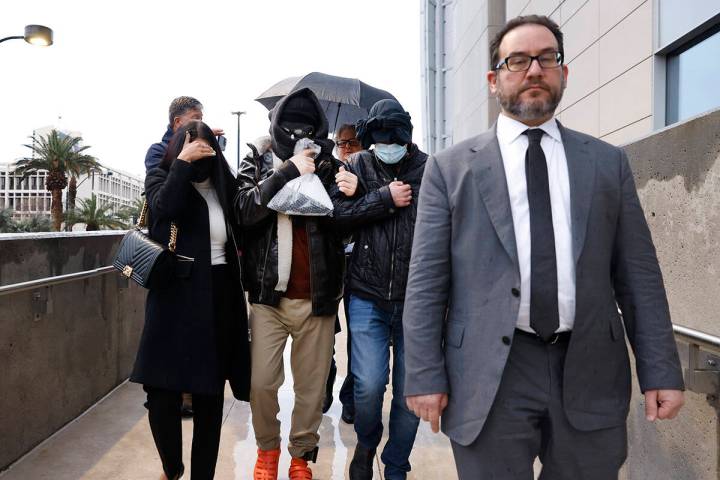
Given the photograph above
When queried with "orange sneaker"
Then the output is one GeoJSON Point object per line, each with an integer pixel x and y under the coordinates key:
{"type": "Point", "coordinates": [266, 466]}
{"type": "Point", "coordinates": [299, 470]}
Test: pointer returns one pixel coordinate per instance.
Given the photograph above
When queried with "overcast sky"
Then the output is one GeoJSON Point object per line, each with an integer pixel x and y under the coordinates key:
{"type": "Point", "coordinates": [115, 66]}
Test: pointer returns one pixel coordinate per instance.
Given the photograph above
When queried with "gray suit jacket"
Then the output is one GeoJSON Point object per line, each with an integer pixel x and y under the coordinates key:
{"type": "Point", "coordinates": [460, 313]}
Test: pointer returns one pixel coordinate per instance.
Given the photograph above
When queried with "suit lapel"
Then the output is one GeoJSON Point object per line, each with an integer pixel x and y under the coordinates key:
{"type": "Point", "coordinates": [489, 174]}
{"type": "Point", "coordinates": [581, 171]}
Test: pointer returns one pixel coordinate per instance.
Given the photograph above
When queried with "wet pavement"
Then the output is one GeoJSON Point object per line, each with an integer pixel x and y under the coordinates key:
{"type": "Point", "coordinates": [112, 440]}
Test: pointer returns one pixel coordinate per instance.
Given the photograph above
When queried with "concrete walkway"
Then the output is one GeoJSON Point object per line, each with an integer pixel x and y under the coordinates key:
{"type": "Point", "coordinates": [112, 440]}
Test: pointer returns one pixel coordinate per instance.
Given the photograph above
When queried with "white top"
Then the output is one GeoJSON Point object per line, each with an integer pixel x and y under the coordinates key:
{"type": "Point", "coordinates": [218, 234]}
{"type": "Point", "coordinates": [513, 145]}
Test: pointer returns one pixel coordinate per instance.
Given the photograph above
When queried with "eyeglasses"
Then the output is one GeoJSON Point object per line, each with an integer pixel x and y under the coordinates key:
{"type": "Point", "coordinates": [298, 133]}
{"type": "Point", "coordinates": [521, 63]}
{"type": "Point", "coordinates": [348, 143]}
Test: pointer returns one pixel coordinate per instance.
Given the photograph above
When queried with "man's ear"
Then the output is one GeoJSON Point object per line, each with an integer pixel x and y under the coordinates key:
{"type": "Point", "coordinates": [492, 81]}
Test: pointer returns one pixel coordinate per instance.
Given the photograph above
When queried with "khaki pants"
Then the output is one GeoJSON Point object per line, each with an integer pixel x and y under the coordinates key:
{"type": "Point", "coordinates": [311, 352]}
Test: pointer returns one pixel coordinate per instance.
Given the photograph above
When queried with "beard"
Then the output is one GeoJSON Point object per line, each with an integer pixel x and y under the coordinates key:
{"type": "Point", "coordinates": [535, 108]}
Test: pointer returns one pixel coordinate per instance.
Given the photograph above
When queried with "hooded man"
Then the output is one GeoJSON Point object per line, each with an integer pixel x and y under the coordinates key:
{"type": "Point", "coordinates": [382, 213]}
{"type": "Point", "coordinates": [294, 269]}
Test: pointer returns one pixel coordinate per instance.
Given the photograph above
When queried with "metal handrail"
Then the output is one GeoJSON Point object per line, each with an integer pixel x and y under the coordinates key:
{"type": "Point", "coordinates": [48, 281]}
{"type": "Point", "coordinates": [696, 337]}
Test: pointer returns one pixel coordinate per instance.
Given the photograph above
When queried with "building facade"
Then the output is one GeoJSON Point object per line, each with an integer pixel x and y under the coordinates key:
{"type": "Point", "coordinates": [28, 197]}
{"type": "Point", "coordinates": [635, 65]}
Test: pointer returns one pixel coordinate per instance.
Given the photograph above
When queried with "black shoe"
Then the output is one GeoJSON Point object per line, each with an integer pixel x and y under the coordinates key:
{"type": "Point", "coordinates": [348, 415]}
{"type": "Point", "coordinates": [186, 411]}
{"type": "Point", "coordinates": [361, 467]}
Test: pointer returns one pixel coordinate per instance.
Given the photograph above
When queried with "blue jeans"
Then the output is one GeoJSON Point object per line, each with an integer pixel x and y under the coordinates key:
{"type": "Point", "coordinates": [372, 328]}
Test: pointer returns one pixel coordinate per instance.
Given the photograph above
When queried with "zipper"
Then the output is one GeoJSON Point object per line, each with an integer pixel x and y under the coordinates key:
{"type": "Point", "coordinates": [392, 254]}
{"type": "Point", "coordinates": [237, 255]}
{"type": "Point", "coordinates": [267, 251]}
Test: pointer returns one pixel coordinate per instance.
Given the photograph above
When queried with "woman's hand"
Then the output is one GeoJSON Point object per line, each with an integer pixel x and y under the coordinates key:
{"type": "Point", "coordinates": [196, 150]}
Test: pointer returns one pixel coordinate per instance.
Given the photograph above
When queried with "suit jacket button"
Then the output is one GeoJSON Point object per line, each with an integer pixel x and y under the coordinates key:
{"type": "Point", "coordinates": [506, 340]}
{"type": "Point", "coordinates": [515, 292]}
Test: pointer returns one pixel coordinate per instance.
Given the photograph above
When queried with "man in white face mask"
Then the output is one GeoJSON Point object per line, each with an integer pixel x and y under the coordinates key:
{"type": "Point", "coordinates": [381, 215]}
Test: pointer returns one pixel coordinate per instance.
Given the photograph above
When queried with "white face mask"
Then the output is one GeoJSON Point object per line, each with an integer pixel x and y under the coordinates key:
{"type": "Point", "coordinates": [390, 154]}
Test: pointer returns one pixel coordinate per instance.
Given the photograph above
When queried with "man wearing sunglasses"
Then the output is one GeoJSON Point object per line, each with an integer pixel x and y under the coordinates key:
{"type": "Point", "coordinates": [529, 237]}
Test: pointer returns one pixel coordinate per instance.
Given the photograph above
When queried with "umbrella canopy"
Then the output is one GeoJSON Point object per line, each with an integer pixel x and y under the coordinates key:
{"type": "Point", "coordinates": [344, 100]}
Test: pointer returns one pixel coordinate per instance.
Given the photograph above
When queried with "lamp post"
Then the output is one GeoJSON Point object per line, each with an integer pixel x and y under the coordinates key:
{"type": "Point", "coordinates": [34, 35]}
{"type": "Point", "coordinates": [238, 113]}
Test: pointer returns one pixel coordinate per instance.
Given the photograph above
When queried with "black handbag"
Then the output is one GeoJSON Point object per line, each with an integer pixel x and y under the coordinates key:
{"type": "Point", "coordinates": [145, 261]}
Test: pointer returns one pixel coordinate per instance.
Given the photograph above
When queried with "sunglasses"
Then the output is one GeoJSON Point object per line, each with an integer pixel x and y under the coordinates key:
{"type": "Point", "coordinates": [347, 143]}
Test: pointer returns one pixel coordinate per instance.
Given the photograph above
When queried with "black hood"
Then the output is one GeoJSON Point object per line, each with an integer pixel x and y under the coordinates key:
{"type": "Point", "coordinates": [387, 122]}
{"type": "Point", "coordinates": [300, 107]}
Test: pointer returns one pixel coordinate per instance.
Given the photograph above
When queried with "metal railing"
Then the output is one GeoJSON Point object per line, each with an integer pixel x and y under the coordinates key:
{"type": "Point", "coordinates": [57, 280]}
{"type": "Point", "coordinates": [702, 374]}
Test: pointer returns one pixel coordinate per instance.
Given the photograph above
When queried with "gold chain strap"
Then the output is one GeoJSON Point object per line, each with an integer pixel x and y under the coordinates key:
{"type": "Point", "coordinates": [142, 222]}
{"type": "Point", "coordinates": [143, 216]}
{"type": "Point", "coordinates": [173, 237]}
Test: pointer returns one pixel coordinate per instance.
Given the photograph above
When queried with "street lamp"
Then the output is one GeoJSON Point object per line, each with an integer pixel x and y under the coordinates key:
{"type": "Point", "coordinates": [238, 113]}
{"type": "Point", "coordinates": [35, 35]}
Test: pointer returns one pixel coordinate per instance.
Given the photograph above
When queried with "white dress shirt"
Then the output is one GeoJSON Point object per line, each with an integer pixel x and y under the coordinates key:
{"type": "Point", "coordinates": [218, 233]}
{"type": "Point", "coordinates": [513, 145]}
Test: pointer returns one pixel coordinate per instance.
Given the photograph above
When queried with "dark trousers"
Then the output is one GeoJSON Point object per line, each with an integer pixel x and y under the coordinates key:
{"type": "Point", "coordinates": [527, 421]}
{"type": "Point", "coordinates": [166, 425]}
{"type": "Point", "coordinates": [164, 406]}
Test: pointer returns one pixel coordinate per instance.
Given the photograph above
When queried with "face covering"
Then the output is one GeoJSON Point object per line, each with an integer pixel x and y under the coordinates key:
{"type": "Point", "coordinates": [202, 168]}
{"type": "Point", "coordinates": [390, 154]}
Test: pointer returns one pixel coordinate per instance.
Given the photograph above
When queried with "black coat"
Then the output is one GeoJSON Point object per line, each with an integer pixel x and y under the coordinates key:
{"type": "Point", "coordinates": [258, 184]}
{"type": "Point", "coordinates": [178, 349]}
{"type": "Point", "coordinates": [383, 234]}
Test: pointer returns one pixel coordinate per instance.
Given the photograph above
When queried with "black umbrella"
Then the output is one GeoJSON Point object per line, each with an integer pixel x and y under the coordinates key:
{"type": "Point", "coordinates": [345, 100]}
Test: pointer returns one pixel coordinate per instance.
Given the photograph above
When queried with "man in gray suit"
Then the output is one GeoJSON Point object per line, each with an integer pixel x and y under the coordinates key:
{"type": "Point", "coordinates": [527, 239]}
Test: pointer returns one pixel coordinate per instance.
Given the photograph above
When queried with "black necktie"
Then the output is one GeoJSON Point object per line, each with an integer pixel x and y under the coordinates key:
{"type": "Point", "coordinates": [544, 317]}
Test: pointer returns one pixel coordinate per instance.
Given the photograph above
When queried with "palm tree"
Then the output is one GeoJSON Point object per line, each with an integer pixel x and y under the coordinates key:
{"type": "Point", "coordinates": [7, 224]}
{"type": "Point", "coordinates": [94, 217]}
{"type": "Point", "coordinates": [60, 155]}
{"type": "Point", "coordinates": [36, 223]}
{"type": "Point", "coordinates": [131, 213]}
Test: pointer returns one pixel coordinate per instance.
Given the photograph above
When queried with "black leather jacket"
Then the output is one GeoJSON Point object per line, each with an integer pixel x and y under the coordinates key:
{"type": "Point", "coordinates": [258, 185]}
{"type": "Point", "coordinates": [383, 234]}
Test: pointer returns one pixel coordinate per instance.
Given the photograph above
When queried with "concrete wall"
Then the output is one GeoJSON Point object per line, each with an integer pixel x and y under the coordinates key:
{"type": "Point", "coordinates": [62, 347]}
{"type": "Point", "coordinates": [677, 171]}
{"type": "Point", "coordinates": [30, 256]}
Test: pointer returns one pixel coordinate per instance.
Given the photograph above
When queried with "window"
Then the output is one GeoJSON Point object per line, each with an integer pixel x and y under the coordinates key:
{"type": "Point", "coordinates": [692, 73]}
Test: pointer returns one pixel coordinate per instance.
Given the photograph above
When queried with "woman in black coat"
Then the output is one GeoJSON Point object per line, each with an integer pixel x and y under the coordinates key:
{"type": "Point", "coordinates": [196, 332]}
